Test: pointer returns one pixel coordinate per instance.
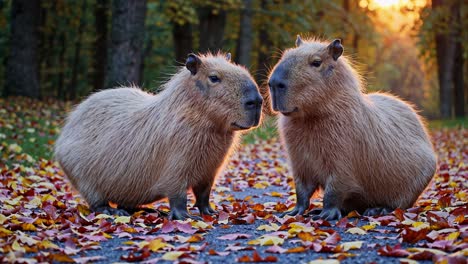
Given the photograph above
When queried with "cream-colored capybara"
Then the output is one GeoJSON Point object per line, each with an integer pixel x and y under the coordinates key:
{"type": "Point", "coordinates": [132, 148]}
{"type": "Point", "coordinates": [368, 152]}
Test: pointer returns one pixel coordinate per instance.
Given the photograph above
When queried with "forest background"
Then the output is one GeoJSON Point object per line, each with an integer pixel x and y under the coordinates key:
{"type": "Point", "coordinates": [67, 49]}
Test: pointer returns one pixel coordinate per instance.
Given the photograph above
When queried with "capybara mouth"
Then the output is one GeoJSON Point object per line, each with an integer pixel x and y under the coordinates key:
{"type": "Point", "coordinates": [290, 112]}
{"type": "Point", "coordinates": [239, 127]}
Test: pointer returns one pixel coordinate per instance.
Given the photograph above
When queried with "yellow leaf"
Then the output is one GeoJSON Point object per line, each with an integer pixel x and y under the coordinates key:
{"type": "Point", "coordinates": [276, 194]}
{"type": "Point", "coordinates": [122, 220]}
{"type": "Point", "coordinates": [269, 228]}
{"type": "Point", "coordinates": [34, 203]}
{"type": "Point", "coordinates": [434, 251]}
{"type": "Point", "coordinates": [368, 227]}
{"type": "Point", "coordinates": [28, 227]}
{"type": "Point", "coordinates": [173, 255]}
{"type": "Point", "coordinates": [420, 225]}
{"type": "Point", "coordinates": [2, 219]}
{"type": "Point", "coordinates": [46, 244]}
{"type": "Point", "coordinates": [199, 224]}
{"type": "Point", "coordinates": [351, 245]}
{"type": "Point", "coordinates": [267, 240]}
{"type": "Point", "coordinates": [453, 236]}
{"type": "Point", "coordinates": [157, 244]}
{"type": "Point", "coordinates": [5, 232]}
{"type": "Point", "coordinates": [260, 185]}
{"type": "Point", "coordinates": [356, 231]}
{"type": "Point", "coordinates": [17, 247]}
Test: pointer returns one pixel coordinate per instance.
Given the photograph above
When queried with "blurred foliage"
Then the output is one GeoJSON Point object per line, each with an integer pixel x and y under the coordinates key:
{"type": "Point", "coordinates": [392, 48]}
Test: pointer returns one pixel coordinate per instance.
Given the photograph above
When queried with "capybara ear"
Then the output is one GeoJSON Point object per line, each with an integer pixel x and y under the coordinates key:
{"type": "Point", "coordinates": [335, 49]}
{"type": "Point", "coordinates": [298, 41]}
{"type": "Point", "coordinates": [228, 56]}
{"type": "Point", "coordinates": [193, 63]}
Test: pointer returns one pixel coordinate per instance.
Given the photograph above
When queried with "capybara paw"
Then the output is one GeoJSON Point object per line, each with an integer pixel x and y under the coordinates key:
{"type": "Point", "coordinates": [377, 211]}
{"type": "Point", "coordinates": [328, 214]}
{"type": "Point", "coordinates": [298, 210]}
{"type": "Point", "coordinates": [177, 215]}
{"type": "Point", "coordinates": [207, 210]}
{"type": "Point", "coordinates": [112, 211]}
{"type": "Point", "coordinates": [315, 211]}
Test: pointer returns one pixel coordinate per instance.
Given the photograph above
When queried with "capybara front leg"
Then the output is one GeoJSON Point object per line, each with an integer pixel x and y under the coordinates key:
{"type": "Point", "coordinates": [179, 211]}
{"type": "Point", "coordinates": [202, 194]}
{"type": "Point", "coordinates": [332, 203]}
{"type": "Point", "coordinates": [303, 193]}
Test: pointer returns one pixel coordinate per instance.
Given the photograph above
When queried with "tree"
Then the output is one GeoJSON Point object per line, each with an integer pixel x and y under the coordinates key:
{"type": "Point", "coordinates": [211, 26]}
{"type": "Point", "coordinates": [459, 87]}
{"type": "Point", "coordinates": [445, 53]}
{"type": "Point", "coordinates": [183, 40]}
{"type": "Point", "coordinates": [244, 43]}
{"type": "Point", "coordinates": [76, 57]}
{"type": "Point", "coordinates": [22, 73]}
{"type": "Point", "coordinates": [100, 44]}
{"type": "Point", "coordinates": [127, 36]}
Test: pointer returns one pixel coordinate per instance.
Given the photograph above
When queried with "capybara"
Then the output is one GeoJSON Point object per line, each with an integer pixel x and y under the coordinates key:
{"type": "Point", "coordinates": [368, 152]}
{"type": "Point", "coordinates": [132, 148]}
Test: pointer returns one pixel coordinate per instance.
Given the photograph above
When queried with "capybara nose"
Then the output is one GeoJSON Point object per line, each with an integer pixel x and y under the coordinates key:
{"type": "Point", "coordinates": [277, 83]}
{"type": "Point", "coordinates": [253, 103]}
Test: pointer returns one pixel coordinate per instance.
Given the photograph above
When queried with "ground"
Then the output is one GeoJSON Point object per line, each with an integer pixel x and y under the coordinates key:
{"type": "Point", "coordinates": [43, 220]}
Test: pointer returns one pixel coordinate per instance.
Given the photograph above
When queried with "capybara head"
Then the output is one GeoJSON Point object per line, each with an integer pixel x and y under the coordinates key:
{"type": "Point", "coordinates": [305, 75]}
{"type": "Point", "coordinates": [229, 93]}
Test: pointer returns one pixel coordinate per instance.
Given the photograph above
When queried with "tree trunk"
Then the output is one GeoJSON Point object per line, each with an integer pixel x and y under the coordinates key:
{"type": "Point", "coordinates": [459, 62]}
{"type": "Point", "coordinates": [100, 45]}
{"type": "Point", "coordinates": [445, 50]}
{"type": "Point", "coordinates": [244, 43]}
{"type": "Point", "coordinates": [183, 41]}
{"type": "Point", "coordinates": [22, 73]}
{"type": "Point", "coordinates": [127, 36]}
{"type": "Point", "coordinates": [76, 59]}
{"type": "Point", "coordinates": [211, 29]}
{"type": "Point", "coordinates": [61, 75]}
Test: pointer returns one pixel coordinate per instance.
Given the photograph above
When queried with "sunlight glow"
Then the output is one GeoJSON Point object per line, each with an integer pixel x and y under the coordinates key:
{"type": "Point", "coordinates": [388, 4]}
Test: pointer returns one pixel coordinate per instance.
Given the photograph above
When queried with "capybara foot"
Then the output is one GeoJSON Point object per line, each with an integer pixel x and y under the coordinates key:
{"type": "Point", "coordinates": [206, 210]}
{"type": "Point", "coordinates": [182, 215]}
{"type": "Point", "coordinates": [377, 211]}
{"type": "Point", "coordinates": [315, 211]}
{"type": "Point", "coordinates": [298, 210]}
{"type": "Point", "coordinates": [328, 214]}
{"type": "Point", "coordinates": [112, 211]}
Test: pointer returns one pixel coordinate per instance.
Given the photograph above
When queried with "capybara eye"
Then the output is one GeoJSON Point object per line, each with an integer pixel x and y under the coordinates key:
{"type": "Point", "coordinates": [214, 79]}
{"type": "Point", "coordinates": [316, 63]}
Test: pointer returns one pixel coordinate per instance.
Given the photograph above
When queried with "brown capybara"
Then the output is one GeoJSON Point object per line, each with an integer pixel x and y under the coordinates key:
{"type": "Point", "coordinates": [132, 148]}
{"type": "Point", "coordinates": [368, 152]}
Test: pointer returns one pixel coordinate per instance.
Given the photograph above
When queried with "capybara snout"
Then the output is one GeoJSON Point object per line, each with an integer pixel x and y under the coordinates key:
{"type": "Point", "coordinates": [252, 102]}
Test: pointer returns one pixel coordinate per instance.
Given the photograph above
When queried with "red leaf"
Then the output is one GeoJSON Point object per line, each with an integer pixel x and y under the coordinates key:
{"type": "Point", "coordinates": [395, 251]}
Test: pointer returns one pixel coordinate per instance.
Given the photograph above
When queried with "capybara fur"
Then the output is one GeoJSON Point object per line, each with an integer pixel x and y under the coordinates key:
{"type": "Point", "coordinates": [133, 148]}
{"type": "Point", "coordinates": [368, 152]}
